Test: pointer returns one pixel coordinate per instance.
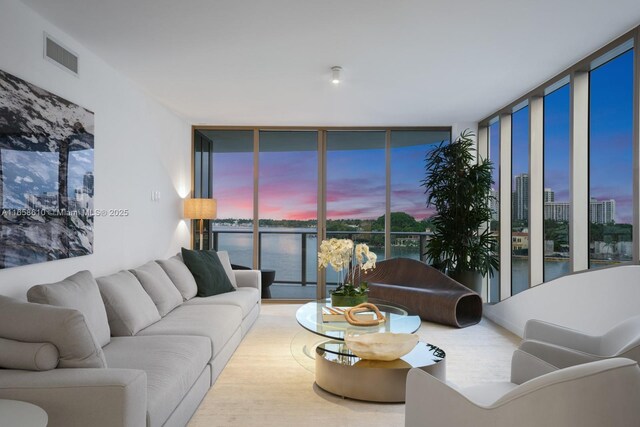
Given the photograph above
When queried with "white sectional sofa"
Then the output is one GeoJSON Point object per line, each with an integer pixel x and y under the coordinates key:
{"type": "Point", "coordinates": [130, 349]}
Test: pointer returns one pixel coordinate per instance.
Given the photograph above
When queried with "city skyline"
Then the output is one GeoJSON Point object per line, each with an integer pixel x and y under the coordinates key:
{"type": "Point", "coordinates": [600, 211]}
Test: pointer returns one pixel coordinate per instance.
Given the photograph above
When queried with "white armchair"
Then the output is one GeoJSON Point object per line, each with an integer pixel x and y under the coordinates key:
{"type": "Point", "coordinates": [563, 347]}
{"type": "Point", "coordinates": [571, 397]}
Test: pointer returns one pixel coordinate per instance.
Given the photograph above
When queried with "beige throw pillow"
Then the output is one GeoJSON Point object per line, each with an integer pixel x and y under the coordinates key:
{"type": "Point", "coordinates": [81, 292]}
{"type": "Point", "coordinates": [129, 308]}
{"type": "Point", "coordinates": [159, 286]}
{"type": "Point", "coordinates": [180, 276]}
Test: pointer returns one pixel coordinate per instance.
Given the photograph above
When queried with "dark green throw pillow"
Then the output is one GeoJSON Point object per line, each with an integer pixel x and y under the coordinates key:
{"type": "Point", "coordinates": [208, 272]}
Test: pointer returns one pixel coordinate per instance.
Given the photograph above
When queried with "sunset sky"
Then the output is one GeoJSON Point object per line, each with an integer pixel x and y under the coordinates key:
{"type": "Point", "coordinates": [288, 183]}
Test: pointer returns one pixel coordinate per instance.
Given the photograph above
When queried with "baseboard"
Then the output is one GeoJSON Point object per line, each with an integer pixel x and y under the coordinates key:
{"type": "Point", "coordinates": [490, 313]}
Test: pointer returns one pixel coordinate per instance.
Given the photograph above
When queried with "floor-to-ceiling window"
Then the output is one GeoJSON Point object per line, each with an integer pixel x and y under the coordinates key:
{"type": "Point", "coordinates": [288, 209]}
{"type": "Point", "coordinates": [356, 189]}
{"type": "Point", "coordinates": [611, 161]}
{"type": "Point", "coordinates": [557, 166]}
{"type": "Point", "coordinates": [520, 200]}
{"type": "Point", "coordinates": [355, 172]}
{"type": "Point", "coordinates": [230, 180]}
{"type": "Point", "coordinates": [494, 156]}
{"type": "Point", "coordinates": [580, 129]}
{"type": "Point", "coordinates": [409, 211]}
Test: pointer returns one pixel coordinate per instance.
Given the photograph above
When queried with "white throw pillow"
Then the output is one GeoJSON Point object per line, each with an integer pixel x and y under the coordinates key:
{"type": "Point", "coordinates": [159, 286]}
{"type": "Point", "coordinates": [129, 308]}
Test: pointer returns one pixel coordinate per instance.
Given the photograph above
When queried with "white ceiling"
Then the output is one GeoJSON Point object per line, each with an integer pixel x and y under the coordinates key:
{"type": "Point", "coordinates": [406, 62]}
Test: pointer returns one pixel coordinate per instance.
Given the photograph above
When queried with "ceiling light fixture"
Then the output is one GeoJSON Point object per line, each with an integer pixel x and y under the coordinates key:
{"type": "Point", "coordinates": [335, 74]}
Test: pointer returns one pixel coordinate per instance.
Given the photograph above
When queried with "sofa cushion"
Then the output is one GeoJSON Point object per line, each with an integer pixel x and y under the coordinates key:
{"type": "Point", "coordinates": [129, 308]}
{"type": "Point", "coordinates": [217, 322]}
{"type": "Point", "coordinates": [223, 256]}
{"type": "Point", "coordinates": [65, 328]}
{"type": "Point", "coordinates": [172, 363]}
{"type": "Point", "coordinates": [28, 356]}
{"type": "Point", "coordinates": [245, 298]}
{"type": "Point", "coordinates": [80, 292]}
{"type": "Point", "coordinates": [180, 276]}
{"type": "Point", "coordinates": [208, 271]}
{"type": "Point", "coordinates": [159, 286]}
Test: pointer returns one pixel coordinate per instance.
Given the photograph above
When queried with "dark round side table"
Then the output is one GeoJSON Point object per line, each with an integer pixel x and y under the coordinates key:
{"type": "Point", "coordinates": [267, 277]}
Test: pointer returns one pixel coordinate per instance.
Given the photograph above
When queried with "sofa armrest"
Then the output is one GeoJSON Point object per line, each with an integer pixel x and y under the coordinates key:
{"type": "Point", "coordinates": [248, 279]}
{"type": "Point", "coordinates": [559, 335]}
{"type": "Point", "coordinates": [430, 401]}
{"type": "Point", "coordinates": [82, 397]}
{"type": "Point", "coordinates": [556, 355]}
{"type": "Point", "coordinates": [526, 366]}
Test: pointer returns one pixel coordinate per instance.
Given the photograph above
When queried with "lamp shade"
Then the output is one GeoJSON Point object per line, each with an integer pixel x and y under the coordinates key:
{"type": "Point", "coordinates": [200, 208]}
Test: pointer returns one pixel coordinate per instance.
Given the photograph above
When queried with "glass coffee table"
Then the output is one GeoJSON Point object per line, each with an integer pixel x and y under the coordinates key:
{"type": "Point", "coordinates": [340, 372]}
{"type": "Point", "coordinates": [309, 316]}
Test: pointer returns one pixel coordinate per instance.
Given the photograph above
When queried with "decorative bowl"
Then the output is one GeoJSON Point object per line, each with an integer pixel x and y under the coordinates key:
{"type": "Point", "coordinates": [381, 346]}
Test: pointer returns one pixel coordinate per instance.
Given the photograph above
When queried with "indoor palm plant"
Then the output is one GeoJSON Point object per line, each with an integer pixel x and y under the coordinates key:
{"type": "Point", "coordinates": [339, 254]}
{"type": "Point", "coordinates": [460, 189]}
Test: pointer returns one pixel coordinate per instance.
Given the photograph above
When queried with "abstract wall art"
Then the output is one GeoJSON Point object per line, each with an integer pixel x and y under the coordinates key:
{"type": "Point", "coordinates": [46, 175]}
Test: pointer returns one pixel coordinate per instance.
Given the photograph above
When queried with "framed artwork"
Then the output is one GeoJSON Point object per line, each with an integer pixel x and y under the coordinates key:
{"type": "Point", "coordinates": [46, 175]}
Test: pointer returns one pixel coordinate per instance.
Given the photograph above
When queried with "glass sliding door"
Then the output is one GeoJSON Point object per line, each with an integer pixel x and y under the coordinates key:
{"type": "Point", "coordinates": [410, 224]}
{"type": "Point", "coordinates": [557, 181]}
{"type": "Point", "coordinates": [231, 183]}
{"type": "Point", "coordinates": [611, 161]}
{"type": "Point", "coordinates": [520, 200]}
{"type": "Point", "coordinates": [356, 189]}
{"type": "Point", "coordinates": [288, 188]}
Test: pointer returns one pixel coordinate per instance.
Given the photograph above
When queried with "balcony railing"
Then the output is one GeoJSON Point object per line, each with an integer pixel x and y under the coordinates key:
{"type": "Point", "coordinates": [407, 244]}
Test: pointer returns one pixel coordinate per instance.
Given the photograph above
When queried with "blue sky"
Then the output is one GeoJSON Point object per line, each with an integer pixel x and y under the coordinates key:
{"type": "Point", "coordinates": [610, 137]}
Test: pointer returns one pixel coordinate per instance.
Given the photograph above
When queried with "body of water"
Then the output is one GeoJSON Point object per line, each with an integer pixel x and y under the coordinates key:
{"type": "Point", "coordinates": [282, 252]}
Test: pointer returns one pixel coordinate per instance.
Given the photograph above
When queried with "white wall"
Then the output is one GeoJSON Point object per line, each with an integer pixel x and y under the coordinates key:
{"type": "Point", "coordinates": [140, 146]}
{"type": "Point", "coordinates": [458, 128]}
{"type": "Point", "coordinates": [592, 301]}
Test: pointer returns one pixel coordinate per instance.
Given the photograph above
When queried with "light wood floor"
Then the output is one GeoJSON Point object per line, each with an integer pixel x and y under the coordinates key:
{"type": "Point", "coordinates": [264, 385]}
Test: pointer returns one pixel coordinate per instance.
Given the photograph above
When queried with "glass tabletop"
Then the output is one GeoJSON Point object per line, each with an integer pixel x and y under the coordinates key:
{"type": "Point", "coordinates": [398, 320]}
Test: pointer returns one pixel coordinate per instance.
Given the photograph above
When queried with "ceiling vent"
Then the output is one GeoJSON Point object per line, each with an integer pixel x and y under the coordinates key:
{"type": "Point", "coordinates": [60, 55]}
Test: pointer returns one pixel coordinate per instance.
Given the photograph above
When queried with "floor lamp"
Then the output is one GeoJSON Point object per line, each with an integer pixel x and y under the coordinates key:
{"type": "Point", "coordinates": [200, 209]}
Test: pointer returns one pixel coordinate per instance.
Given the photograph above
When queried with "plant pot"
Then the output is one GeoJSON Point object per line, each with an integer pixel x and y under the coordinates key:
{"type": "Point", "coordinates": [347, 300]}
{"type": "Point", "coordinates": [470, 279]}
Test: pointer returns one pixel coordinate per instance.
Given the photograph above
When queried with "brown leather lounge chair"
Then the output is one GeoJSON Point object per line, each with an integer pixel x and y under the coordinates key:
{"type": "Point", "coordinates": [425, 291]}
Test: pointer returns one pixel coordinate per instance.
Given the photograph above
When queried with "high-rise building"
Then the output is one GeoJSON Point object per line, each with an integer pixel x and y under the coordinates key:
{"type": "Point", "coordinates": [602, 211]}
{"type": "Point", "coordinates": [520, 204]}
{"type": "Point", "coordinates": [494, 205]}
{"type": "Point", "coordinates": [557, 211]}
